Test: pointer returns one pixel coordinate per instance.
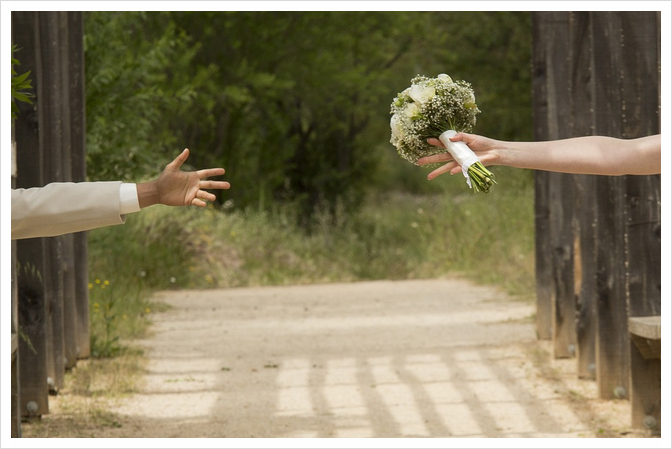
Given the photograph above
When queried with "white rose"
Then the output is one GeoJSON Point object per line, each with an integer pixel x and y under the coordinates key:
{"type": "Point", "coordinates": [471, 101]}
{"type": "Point", "coordinates": [445, 78]}
{"type": "Point", "coordinates": [411, 110]}
{"type": "Point", "coordinates": [421, 94]}
{"type": "Point", "coordinates": [394, 125]}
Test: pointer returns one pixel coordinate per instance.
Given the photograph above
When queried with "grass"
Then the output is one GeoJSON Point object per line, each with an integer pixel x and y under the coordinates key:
{"type": "Point", "coordinates": [488, 238]}
{"type": "Point", "coordinates": [81, 410]}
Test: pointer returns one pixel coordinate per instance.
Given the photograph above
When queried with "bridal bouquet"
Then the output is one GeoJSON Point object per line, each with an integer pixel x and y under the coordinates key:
{"type": "Point", "coordinates": [438, 107]}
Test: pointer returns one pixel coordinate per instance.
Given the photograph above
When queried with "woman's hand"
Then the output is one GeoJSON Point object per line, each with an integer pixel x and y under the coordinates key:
{"type": "Point", "coordinates": [483, 147]}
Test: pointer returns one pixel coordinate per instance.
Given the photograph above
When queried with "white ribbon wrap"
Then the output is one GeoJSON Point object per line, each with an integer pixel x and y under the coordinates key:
{"type": "Point", "coordinates": [460, 152]}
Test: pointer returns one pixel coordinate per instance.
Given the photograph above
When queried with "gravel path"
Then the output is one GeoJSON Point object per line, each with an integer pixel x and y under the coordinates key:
{"type": "Point", "coordinates": [425, 358]}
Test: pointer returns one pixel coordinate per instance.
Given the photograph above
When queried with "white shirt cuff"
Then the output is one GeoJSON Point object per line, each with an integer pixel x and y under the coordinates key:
{"type": "Point", "coordinates": [128, 199]}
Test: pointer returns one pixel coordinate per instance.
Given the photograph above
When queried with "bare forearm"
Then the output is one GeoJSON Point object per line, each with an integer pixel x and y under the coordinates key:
{"type": "Point", "coordinates": [586, 155]}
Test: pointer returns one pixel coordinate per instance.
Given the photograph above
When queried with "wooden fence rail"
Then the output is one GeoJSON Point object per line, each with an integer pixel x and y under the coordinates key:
{"type": "Point", "coordinates": [598, 237]}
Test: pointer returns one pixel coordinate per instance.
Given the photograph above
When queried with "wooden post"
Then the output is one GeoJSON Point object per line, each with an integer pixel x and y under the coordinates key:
{"type": "Point", "coordinates": [612, 345]}
{"type": "Point", "coordinates": [558, 243]}
{"type": "Point", "coordinates": [583, 223]}
{"type": "Point", "coordinates": [52, 140]}
{"type": "Point", "coordinates": [77, 163]}
{"type": "Point", "coordinates": [561, 198]}
{"type": "Point", "coordinates": [610, 87]}
{"type": "Point", "coordinates": [585, 239]}
{"type": "Point", "coordinates": [61, 66]}
{"type": "Point", "coordinates": [31, 263]}
{"type": "Point", "coordinates": [16, 393]}
{"type": "Point", "coordinates": [543, 277]}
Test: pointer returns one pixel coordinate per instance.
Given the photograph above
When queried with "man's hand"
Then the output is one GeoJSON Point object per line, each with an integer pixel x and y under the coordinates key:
{"type": "Point", "coordinates": [178, 188]}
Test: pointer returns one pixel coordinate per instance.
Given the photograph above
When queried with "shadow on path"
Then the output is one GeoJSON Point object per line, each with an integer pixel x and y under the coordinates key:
{"type": "Point", "coordinates": [425, 358]}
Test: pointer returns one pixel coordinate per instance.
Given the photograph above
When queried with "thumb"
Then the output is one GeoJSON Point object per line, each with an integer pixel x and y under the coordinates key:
{"type": "Point", "coordinates": [462, 136]}
{"type": "Point", "coordinates": [178, 161]}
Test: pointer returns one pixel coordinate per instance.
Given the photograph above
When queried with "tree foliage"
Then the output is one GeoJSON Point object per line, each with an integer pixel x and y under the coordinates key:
{"type": "Point", "coordinates": [295, 105]}
{"type": "Point", "coordinates": [136, 81]}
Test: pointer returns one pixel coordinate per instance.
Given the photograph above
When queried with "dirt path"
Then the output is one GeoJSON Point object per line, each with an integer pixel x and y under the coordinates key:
{"type": "Point", "coordinates": [437, 358]}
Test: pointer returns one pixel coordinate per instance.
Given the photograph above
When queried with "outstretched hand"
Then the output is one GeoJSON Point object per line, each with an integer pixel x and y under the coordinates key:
{"type": "Point", "coordinates": [484, 148]}
{"type": "Point", "coordinates": [175, 187]}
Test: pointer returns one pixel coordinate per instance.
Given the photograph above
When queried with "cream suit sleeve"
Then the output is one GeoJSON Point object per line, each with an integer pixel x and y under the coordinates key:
{"type": "Point", "coordinates": [61, 208]}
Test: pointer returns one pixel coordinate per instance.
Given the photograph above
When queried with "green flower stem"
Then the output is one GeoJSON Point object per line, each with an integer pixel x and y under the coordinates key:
{"type": "Point", "coordinates": [481, 178]}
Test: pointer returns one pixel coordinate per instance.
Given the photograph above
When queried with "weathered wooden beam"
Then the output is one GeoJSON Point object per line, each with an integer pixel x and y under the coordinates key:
{"type": "Point", "coordinates": [31, 264]}
{"type": "Point", "coordinates": [612, 348]}
{"type": "Point", "coordinates": [67, 267]}
{"type": "Point", "coordinates": [562, 240]}
{"type": "Point", "coordinates": [645, 372]}
{"type": "Point", "coordinates": [552, 38]}
{"type": "Point", "coordinates": [77, 102]}
{"type": "Point", "coordinates": [15, 390]}
{"type": "Point", "coordinates": [543, 279]}
{"type": "Point", "coordinates": [583, 221]}
{"type": "Point", "coordinates": [648, 327]}
{"type": "Point", "coordinates": [642, 208]}
{"type": "Point", "coordinates": [584, 274]}
{"type": "Point", "coordinates": [51, 142]}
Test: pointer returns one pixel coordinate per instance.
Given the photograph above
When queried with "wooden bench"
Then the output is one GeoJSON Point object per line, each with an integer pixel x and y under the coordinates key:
{"type": "Point", "coordinates": [645, 374]}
